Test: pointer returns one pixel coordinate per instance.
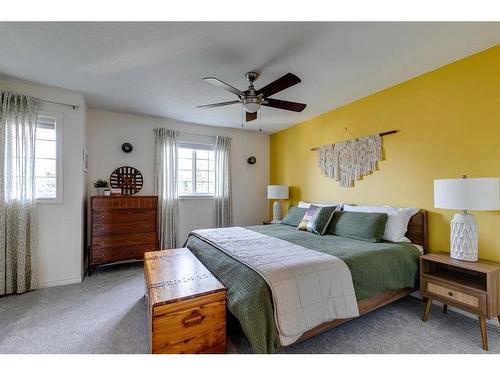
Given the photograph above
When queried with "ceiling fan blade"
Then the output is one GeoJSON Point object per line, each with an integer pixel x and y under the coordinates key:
{"type": "Point", "coordinates": [218, 104]}
{"type": "Point", "coordinates": [283, 104]}
{"type": "Point", "coordinates": [280, 84]}
{"type": "Point", "coordinates": [250, 116]}
{"type": "Point", "coordinates": [223, 85]}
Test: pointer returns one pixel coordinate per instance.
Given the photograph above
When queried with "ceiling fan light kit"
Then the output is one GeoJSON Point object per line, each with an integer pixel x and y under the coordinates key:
{"type": "Point", "coordinates": [252, 99]}
{"type": "Point", "coordinates": [252, 105]}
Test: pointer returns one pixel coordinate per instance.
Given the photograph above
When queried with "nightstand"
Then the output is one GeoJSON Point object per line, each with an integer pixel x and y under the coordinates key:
{"type": "Point", "coordinates": [469, 286]}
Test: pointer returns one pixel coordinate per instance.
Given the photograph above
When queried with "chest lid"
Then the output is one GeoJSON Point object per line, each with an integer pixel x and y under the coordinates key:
{"type": "Point", "coordinates": [176, 275]}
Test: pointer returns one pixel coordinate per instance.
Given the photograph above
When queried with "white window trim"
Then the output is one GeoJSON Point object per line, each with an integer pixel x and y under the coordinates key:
{"type": "Point", "coordinates": [196, 196]}
{"type": "Point", "coordinates": [196, 146]}
{"type": "Point", "coordinates": [59, 199]}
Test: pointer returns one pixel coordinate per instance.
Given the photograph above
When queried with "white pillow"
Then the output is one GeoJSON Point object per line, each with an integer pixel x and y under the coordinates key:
{"type": "Point", "coordinates": [397, 220]}
{"type": "Point", "coordinates": [303, 204]}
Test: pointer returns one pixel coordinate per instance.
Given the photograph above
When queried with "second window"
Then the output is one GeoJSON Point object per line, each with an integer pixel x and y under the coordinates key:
{"type": "Point", "coordinates": [196, 174]}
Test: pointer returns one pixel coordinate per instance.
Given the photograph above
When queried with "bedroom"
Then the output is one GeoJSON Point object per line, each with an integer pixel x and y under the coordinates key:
{"type": "Point", "coordinates": [250, 187]}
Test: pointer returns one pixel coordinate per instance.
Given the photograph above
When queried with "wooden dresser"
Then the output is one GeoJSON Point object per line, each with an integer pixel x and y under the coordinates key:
{"type": "Point", "coordinates": [186, 304]}
{"type": "Point", "coordinates": [122, 228]}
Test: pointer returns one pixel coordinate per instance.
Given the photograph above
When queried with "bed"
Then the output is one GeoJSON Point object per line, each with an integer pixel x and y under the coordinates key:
{"type": "Point", "coordinates": [381, 273]}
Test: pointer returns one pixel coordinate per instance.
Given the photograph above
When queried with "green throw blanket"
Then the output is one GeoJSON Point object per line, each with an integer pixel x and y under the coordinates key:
{"type": "Point", "coordinates": [375, 268]}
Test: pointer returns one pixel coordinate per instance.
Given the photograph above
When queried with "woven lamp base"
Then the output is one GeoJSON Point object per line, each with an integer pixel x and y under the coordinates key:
{"type": "Point", "coordinates": [276, 212]}
{"type": "Point", "coordinates": [464, 237]}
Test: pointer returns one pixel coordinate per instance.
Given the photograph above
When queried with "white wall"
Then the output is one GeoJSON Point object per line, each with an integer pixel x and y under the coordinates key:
{"type": "Point", "coordinates": [61, 233]}
{"type": "Point", "coordinates": [108, 130]}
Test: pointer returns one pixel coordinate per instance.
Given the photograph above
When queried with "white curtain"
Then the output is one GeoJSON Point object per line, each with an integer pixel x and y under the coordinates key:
{"type": "Point", "coordinates": [223, 197]}
{"type": "Point", "coordinates": [18, 214]}
{"type": "Point", "coordinates": [166, 186]}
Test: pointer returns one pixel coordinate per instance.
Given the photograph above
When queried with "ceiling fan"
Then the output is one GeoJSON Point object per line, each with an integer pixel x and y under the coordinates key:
{"type": "Point", "coordinates": [252, 98]}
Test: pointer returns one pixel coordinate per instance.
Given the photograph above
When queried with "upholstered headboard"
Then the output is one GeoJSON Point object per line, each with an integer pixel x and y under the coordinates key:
{"type": "Point", "coordinates": [417, 230]}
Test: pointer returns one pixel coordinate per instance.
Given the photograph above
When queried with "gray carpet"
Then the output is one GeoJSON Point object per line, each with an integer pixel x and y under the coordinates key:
{"type": "Point", "coordinates": [107, 314]}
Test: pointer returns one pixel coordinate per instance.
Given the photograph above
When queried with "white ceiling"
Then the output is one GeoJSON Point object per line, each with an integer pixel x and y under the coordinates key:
{"type": "Point", "coordinates": [157, 68]}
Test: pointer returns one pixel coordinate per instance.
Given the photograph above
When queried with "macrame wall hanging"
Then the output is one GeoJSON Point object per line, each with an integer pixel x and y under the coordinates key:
{"type": "Point", "coordinates": [350, 160]}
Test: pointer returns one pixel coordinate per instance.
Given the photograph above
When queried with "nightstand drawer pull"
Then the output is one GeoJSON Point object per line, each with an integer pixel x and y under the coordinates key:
{"type": "Point", "coordinates": [455, 295]}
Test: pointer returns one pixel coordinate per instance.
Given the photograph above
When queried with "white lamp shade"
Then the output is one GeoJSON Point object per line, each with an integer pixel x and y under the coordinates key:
{"type": "Point", "coordinates": [467, 194]}
{"type": "Point", "coordinates": [277, 192]}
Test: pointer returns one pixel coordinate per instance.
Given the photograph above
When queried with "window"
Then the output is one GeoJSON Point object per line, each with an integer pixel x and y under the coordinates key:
{"type": "Point", "coordinates": [48, 158]}
{"type": "Point", "coordinates": [196, 174]}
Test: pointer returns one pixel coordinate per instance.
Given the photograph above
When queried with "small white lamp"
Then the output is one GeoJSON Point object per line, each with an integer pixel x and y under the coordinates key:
{"type": "Point", "coordinates": [464, 193]}
{"type": "Point", "coordinates": [277, 192]}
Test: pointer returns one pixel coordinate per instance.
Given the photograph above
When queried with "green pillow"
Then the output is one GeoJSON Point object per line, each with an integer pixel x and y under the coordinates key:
{"type": "Point", "coordinates": [317, 219]}
{"type": "Point", "coordinates": [363, 226]}
{"type": "Point", "coordinates": [294, 216]}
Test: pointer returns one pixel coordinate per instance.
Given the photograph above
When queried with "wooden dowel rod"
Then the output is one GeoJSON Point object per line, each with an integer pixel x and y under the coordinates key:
{"type": "Point", "coordinates": [381, 134]}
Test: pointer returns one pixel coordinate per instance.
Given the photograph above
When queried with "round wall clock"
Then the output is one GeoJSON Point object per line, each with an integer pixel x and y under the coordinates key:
{"type": "Point", "coordinates": [128, 179]}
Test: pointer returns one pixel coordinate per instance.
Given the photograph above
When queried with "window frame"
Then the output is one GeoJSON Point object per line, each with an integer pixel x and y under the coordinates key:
{"type": "Point", "coordinates": [194, 147]}
{"type": "Point", "coordinates": [59, 198]}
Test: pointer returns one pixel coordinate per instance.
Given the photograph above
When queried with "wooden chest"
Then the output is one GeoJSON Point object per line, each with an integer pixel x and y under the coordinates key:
{"type": "Point", "coordinates": [122, 228]}
{"type": "Point", "coordinates": [186, 304]}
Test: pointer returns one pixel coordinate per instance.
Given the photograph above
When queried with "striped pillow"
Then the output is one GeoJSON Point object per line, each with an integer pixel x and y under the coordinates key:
{"type": "Point", "coordinates": [316, 219]}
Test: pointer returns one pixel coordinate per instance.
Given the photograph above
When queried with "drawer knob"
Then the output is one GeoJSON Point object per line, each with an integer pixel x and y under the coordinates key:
{"type": "Point", "coordinates": [193, 319]}
{"type": "Point", "coordinates": [450, 293]}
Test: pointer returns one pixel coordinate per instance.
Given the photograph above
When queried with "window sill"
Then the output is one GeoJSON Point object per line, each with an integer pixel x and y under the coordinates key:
{"type": "Point", "coordinates": [49, 201]}
{"type": "Point", "coordinates": [196, 196]}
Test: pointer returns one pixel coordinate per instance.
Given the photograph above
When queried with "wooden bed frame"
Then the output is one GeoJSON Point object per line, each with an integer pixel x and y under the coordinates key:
{"type": "Point", "coordinates": [417, 233]}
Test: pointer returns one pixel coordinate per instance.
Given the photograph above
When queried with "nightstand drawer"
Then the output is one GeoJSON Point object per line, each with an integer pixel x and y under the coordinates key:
{"type": "Point", "coordinates": [453, 294]}
{"type": "Point", "coordinates": [473, 300]}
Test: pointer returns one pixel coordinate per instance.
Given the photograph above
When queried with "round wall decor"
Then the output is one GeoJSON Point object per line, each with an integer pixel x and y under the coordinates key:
{"type": "Point", "coordinates": [128, 179]}
{"type": "Point", "coordinates": [127, 147]}
{"type": "Point", "coordinates": [252, 160]}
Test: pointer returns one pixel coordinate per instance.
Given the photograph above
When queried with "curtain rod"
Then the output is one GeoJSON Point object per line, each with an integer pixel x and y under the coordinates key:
{"type": "Point", "coordinates": [198, 134]}
{"type": "Point", "coordinates": [381, 134]}
{"type": "Point", "coordinates": [74, 106]}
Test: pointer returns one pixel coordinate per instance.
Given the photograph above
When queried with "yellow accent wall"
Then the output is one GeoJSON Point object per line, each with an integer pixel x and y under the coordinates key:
{"type": "Point", "coordinates": [449, 125]}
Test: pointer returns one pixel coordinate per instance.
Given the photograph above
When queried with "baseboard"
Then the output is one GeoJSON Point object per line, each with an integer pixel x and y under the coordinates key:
{"type": "Point", "coordinates": [491, 323]}
{"type": "Point", "coordinates": [48, 284]}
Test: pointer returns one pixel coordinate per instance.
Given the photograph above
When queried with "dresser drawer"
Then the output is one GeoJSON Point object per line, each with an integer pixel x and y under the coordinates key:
{"type": "Point", "coordinates": [194, 326]}
{"type": "Point", "coordinates": [117, 253]}
{"type": "Point", "coordinates": [128, 239]}
{"type": "Point", "coordinates": [114, 202]}
{"type": "Point", "coordinates": [124, 215]}
{"type": "Point", "coordinates": [469, 299]}
{"type": "Point", "coordinates": [102, 229]}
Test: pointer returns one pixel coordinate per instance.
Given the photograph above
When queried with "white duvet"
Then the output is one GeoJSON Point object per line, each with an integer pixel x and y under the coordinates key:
{"type": "Point", "coordinates": [308, 287]}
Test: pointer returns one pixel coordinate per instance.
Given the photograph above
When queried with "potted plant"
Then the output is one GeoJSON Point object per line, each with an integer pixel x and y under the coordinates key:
{"type": "Point", "coordinates": [101, 185]}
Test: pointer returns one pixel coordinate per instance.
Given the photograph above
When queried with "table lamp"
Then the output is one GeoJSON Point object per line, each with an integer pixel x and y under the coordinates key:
{"type": "Point", "coordinates": [277, 192]}
{"type": "Point", "coordinates": [482, 194]}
